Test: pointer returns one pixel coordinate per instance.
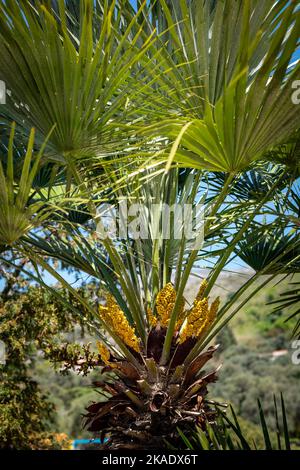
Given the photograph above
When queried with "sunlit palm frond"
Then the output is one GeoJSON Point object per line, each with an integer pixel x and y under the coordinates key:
{"type": "Point", "coordinates": [243, 80]}
{"type": "Point", "coordinates": [288, 154]}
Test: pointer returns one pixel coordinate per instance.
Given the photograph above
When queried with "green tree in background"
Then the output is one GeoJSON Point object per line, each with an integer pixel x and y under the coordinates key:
{"type": "Point", "coordinates": [34, 326]}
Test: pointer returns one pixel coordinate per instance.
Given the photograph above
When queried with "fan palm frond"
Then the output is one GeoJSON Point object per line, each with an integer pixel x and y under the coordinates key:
{"type": "Point", "coordinates": [69, 71]}
{"type": "Point", "coordinates": [251, 185]}
{"type": "Point", "coordinates": [288, 154]}
{"type": "Point", "coordinates": [262, 247]}
{"type": "Point", "coordinates": [238, 80]}
{"type": "Point", "coordinates": [18, 213]}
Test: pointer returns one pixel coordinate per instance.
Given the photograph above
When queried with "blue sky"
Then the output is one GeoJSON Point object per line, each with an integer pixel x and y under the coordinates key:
{"type": "Point", "coordinates": [296, 56]}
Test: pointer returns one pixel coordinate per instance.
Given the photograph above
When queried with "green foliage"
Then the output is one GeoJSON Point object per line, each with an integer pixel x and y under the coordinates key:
{"type": "Point", "coordinates": [247, 374]}
{"type": "Point", "coordinates": [229, 433]}
{"type": "Point", "coordinates": [18, 214]}
{"type": "Point", "coordinates": [70, 393]}
{"type": "Point", "coordinates": [33, 322]}
{"type": "Point", "coordinates": [213, 102]}
{"type": "Point", "coordinates": [237, 79]}
{"type": "Point", "coordinates": [26, 415]}
{"type": "Point", "coordinates": [74, 69]}
{"type": "Point", "coordinates": [251, 367]}
{"type": "Point", "coordinates": [261, 320]}
{"type": "Point", "coordinates": [225, 339]}
{"type": "Point", "coordinates": [289, 299]}
{"type": "Point", "coordinates": [117, 88]}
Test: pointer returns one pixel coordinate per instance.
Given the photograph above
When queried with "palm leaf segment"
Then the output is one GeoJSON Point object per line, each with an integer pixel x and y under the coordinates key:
{"type": "Point", "coordinates": [229, 433]}
{"type": "Point", "coordinates": [252, 185]}
{"type": "Point", "coordinates": [290, 300]}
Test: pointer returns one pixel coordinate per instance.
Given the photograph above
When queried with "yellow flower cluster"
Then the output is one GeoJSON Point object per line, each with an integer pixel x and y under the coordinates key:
{"type": "Point", "coordinates": [195, 320]}
{"type": "Point", "coordinates": [165, 302]}
{"type": "Point", "coordinates": [104, 352]}
{"type": "Point", "coordinates": [200, 317]}
{"type": "Point", "coordinates": [117, 321]}
{"type": "Point", "coordinates": [151, 318]}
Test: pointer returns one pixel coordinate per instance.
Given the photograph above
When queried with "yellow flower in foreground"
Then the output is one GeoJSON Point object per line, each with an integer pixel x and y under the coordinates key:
{"type": "Point", "coordinates": [104, 352]}
{"type": "Point", "coordinates": [117, 321]}
{"type": "Point", "coordinates": [200, 317]}
{"type": "Point", "coordinates": [165, 302]}
{"type": "Point", "coordinates": [196, 319]}
{"type": "Point", "coordinates": [214, 309]}
{"type": "Point", "coordinates": [201, 290]}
